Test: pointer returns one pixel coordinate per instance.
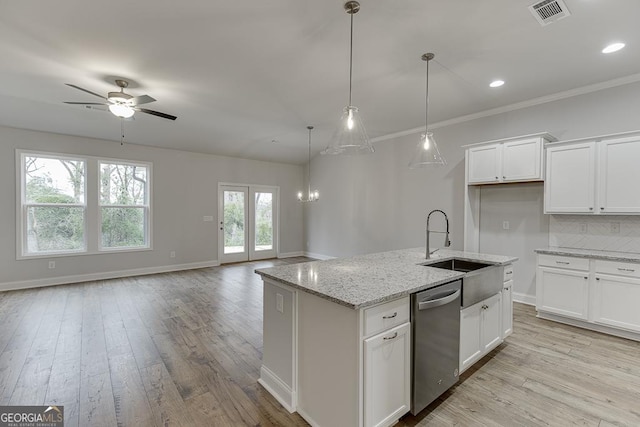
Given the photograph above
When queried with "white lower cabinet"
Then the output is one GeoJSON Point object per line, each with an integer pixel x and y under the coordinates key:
{"type": "Point", "coordinates": [480, 330]}
{"type": "Point", "coordinates": [563, 292]}
{"type": "Point", "coordinates": [387, 376]}
{"type": "Point", "coordinates": [507, 302]}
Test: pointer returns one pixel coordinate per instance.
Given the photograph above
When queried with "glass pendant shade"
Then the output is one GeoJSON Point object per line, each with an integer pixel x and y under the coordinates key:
{"type": "Point", "coordinates": [312, 196]}
{"type": "Point", "coordinates": [427, 153]}
{"type": "Point", "coordinates": [350, 137]}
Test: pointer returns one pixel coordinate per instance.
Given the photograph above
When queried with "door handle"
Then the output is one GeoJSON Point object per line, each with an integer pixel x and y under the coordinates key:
{"type": "Point", "coordinates": [425, 305]}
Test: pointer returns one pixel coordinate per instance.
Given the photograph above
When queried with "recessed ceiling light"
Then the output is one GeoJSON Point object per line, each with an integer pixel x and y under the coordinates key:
{"type": "Point", "coordinates": [496, 83]}
{"type": "Point", "coordinates": [614, 47]}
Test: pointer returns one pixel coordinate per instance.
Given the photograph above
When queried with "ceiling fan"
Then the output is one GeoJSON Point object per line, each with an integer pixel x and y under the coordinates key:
{"type": "Point", "coordinates": [122, 104]}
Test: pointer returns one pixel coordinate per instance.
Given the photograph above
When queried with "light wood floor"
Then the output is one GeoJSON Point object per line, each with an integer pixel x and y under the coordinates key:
{"type": "Point", "coordinates": [185, 349]}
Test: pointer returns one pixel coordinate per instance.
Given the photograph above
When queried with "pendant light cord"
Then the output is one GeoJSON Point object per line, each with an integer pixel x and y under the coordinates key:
{"type": "Point", "coordinates": [351, 57]}
{"type": "Point", "coordinates": [426, 104]}
{"type": "Point", "coordinates": [309, 167]}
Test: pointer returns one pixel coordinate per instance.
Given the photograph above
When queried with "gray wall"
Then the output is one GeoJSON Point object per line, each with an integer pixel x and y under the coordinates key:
{"type": "Point", "coordinates": [374, 203]}
{"type": "Point", "coordinates": [185, 189]}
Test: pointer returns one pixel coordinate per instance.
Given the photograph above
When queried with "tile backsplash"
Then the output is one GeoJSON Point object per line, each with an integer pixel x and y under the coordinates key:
{"type": "Point", "coordinates": [603, 232]}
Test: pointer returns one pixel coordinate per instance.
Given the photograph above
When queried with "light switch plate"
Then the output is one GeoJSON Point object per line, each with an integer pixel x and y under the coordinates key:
{"type": "Point", "coordinates": [207, 218]}
{"type": "Point", "coordinates": [505, 225]}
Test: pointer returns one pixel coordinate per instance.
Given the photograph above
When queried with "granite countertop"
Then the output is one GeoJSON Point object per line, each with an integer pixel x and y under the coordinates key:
{"type": "Point", "coordinates": [364, 280]}
{"type": "Point", "coordinates": [591, 253]}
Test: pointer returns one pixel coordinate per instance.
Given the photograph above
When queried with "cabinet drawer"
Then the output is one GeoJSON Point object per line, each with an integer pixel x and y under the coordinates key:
{"type": "Point", "coordinates": [385, 316]}
{"type": "Point", "coordinates": [618, 268]}
{"type": "Point", "coordinates": [508, 272]}
{"type": "Point", "coordinates": [563, 262]}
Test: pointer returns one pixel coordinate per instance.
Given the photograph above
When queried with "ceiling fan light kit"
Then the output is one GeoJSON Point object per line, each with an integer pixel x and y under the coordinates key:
{"type": "Point", "coordinates": [350, 137]}
{"type": "Point", "coordinates": [426, 152]}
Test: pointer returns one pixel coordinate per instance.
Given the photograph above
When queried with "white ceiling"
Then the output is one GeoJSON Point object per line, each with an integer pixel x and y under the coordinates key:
{"type": "Point", "coordinates": [241, 74]}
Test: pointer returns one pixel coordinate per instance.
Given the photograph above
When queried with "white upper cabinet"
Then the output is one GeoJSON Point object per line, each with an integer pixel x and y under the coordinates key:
{"type": "Point", "coordinates": [619, 176]}
{"type": "Point", "coordinates": [594, 177]}
{"type": "Point", "coordinates": [569, 183]}
{"type": "Point", "coordinates": [512, 160]}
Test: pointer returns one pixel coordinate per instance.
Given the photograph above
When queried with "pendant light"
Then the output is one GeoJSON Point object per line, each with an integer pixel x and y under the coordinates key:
{"type": "Point", "coordinates": [312, 196]}
{"type": "Point", "coordinates": [350, 137]}
{"type": "Point", "coordinates": [427, 152]}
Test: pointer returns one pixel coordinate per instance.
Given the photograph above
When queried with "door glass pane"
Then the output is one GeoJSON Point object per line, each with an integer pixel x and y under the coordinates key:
{"type": "Point", "coordinates": [234, 222]}
{"type": "Point", "coordinates": [264, 221]}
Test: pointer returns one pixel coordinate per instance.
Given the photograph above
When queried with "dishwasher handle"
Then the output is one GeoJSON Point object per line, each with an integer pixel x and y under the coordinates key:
{"type": "Point", "coordinates": [425, 305]}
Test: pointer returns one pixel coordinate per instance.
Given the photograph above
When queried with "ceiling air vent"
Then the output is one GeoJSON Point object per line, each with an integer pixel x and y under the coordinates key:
{"type": "Point", "coordinates": [549, 11]}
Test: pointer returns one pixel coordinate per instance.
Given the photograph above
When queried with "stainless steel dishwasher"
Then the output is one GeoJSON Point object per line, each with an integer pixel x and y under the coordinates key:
{"type": "Point", "coordinates": [435, 329]}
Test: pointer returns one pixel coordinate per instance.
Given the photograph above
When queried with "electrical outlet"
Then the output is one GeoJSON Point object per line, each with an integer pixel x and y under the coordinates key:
{"type": "Point", "coordinates": [582, 228]}
{"type": "Point", "coordinates": [52, 264]}
{"type": "Point", "coordinates": [505, 225]}
{"type": "Point", "coordinates": [615, 228]}
{"type": "Point", "coordinates": [172, 254]}
{"type": "Point", "coordinates": [280, 303]}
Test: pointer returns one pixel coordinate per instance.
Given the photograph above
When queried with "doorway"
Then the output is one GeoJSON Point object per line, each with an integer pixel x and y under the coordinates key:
{"type": "Point", "coordinates": [248, 226]}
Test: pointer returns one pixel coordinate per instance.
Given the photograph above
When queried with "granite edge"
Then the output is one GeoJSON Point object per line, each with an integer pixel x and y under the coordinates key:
{"type": "Point", "coordinates": [590, 254]}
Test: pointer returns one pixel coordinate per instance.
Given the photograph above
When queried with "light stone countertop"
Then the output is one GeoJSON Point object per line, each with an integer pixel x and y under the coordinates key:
{"type": "Point", "coordinates": [592, 253]}
{"type": "Point", "coordinates": [365, 280]}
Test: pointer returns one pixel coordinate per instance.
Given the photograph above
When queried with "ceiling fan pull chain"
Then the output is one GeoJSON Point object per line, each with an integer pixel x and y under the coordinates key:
{"type": "Point", "coordinates": [121, 131]}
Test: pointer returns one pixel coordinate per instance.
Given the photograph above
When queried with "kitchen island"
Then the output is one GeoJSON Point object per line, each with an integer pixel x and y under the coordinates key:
{"type": "Point", "coordinates": [337, 334]}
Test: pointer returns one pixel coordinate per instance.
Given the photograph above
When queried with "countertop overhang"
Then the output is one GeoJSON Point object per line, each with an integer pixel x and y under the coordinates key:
{"type": "Point", "coordinates": [365, 280]}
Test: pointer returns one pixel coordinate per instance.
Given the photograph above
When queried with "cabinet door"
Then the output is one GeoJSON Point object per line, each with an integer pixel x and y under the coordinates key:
{"type": "Point", "coordinates": [563, 292]}
{"type": "Point", "coordinates": [387, 376]}
{"type": "Point", "coordinates": [491, 334]}
{"type": "Point", "coordinates": [618, 173]}
{"type": "Point", "coordinates": [616, 302]}
{"type": "Point", "coordinates": [484, 164]}
{"type": "Point", "coordinates": [470, 346]}
{"type": "Point", "coordinates": [569, 185]}
{"type": "Point", "coordinates": [522, 160]}
{"type": "Point", "coordinates": [507, 309]}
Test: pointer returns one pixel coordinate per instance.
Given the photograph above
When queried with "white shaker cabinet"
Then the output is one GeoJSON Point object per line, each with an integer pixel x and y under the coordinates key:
{"type": "Point", "coordinates": [616, 295]}
{"type": "Point", "coordinates": [512, 160]}
{"type": "Point", "coordinates": [480, 330]}
{"type": "Point", "coordinates": [507, 302]}
{"type": "Point", "coordinates": [387, 376]}
{"type": "Point", "coordinates": [569, 185]}
{"type": "Point", "coordinates": [619, 176]}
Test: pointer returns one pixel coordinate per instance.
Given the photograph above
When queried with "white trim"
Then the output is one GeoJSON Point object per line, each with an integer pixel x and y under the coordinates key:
{"type": "Point", "coordinates": [277, 388]}
{"type": "Point", "coordinates": [587, 325]}
{"type": "Point", "coordinates": [517, 106]}
{"type": "Point", "coordinates": [291, 254]}
{"type": "Point", "coordinates": [64, 280]}
{"type": "Point", "coordinates": [307, 418]}
{"type": "Point", "coordinates": [318, 256]}
{"type": "Point", "coordinates": [524, 298]}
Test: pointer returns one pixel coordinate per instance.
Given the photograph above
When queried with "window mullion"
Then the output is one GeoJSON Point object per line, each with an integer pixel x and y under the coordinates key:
{"type": "Point", "coordinates": [92, 212]}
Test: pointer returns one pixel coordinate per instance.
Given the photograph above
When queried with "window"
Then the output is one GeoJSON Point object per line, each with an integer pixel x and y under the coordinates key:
{"type": "Point", "coordinates": [54, 204]}
{"type": "Point", "coordinates": [81, 205]}
{"type": "Point", "coordinates": [124, 208]}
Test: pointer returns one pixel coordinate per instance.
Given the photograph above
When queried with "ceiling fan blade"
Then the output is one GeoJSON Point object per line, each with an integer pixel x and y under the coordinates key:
{"type": "Point", "coordinates": [85, 103]}
{"type": "Point", "coordinates": [156, 113]}
{"type": "Point", "coordinates": [142, 99]}
{"type": "Point", "coordinates": [86, 90]}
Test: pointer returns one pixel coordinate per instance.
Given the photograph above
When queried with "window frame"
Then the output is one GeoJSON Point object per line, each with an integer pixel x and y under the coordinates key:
{"type": "Point", "coordinates": [146, 207]}
{"type": "Point", "coordinates": [92, 207]}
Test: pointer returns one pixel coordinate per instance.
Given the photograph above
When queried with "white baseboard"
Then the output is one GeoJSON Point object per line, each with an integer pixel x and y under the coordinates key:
{"type": "Point", "coordinates": [64, 280]}
{"type": "Point", "coordinates": [277, 388]}
{"type": "Point", "coordinates": [524, 298]}
{"type": "Point", "coordinates": [307, 418]}
{"type": "Point", "coordinates": [318, 256]}
{"type": "Point", "coordinates": [291, 254]}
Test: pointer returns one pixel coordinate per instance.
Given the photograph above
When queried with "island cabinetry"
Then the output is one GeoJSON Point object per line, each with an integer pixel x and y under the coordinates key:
{"type": "Point", "coordinates": [508, 161]}
{"type": "Point", "coordinates": [480, 330]}
{"type": "Point", "coordinates": [562, 286]}
{"type": "Point", "coordinates": [507, 302]}
{"type": "Point", "coordinates": [616, 295]}
{"type": "Point", "coordinates": [592, 177]}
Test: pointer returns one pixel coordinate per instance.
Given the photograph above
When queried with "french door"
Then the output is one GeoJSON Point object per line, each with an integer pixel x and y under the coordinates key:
{"type": "Point", "coordinates": [248, 226]}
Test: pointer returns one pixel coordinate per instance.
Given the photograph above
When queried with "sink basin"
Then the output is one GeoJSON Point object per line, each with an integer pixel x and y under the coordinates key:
{"type": "Point", "coordinates": [457, 264]}
{"type": "Point", "coordinates": [481, 280]}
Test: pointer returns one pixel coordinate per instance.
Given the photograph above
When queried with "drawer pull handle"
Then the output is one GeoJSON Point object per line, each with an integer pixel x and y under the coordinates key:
{"type": "Point", "coordinates": [395, 313]}
{"type": "Point", "coordinates": [630, 270]}
{"type": "Point", "coordinates": [509, 272]}
{"type": "Point", "coordinates": [394, 336]}
{"type": "Point", "coordinates": [590, 209]}
{"type": "Point", "coordinates": [563, 262]}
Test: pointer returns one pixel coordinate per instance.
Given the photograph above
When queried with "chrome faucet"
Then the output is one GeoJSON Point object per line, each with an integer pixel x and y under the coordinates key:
{"type": "Point", "coordinates": [447, 242]}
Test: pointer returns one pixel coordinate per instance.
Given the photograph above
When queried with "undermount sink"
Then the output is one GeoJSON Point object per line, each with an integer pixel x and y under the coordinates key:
{"type": "Point", "coordinates": [481, 280]}
{"type": "Point", "coordinates": [457, 264]}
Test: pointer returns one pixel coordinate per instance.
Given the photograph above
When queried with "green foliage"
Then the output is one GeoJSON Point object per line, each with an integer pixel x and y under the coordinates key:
{"type": "Point", "coordinates": [234, 219]}
{"type": "Point", "coordinates": [122, 227]}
